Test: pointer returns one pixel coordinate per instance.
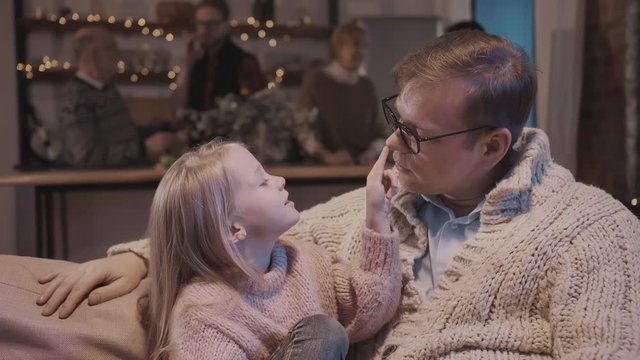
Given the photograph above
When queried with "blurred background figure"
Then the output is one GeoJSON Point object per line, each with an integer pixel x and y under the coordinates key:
{"type": "Point", "coordinates": [215, 66]}
{"type": "Point", "coordinates": [349, 126]}
{"type": "Point", "coordinates": [95, 127]}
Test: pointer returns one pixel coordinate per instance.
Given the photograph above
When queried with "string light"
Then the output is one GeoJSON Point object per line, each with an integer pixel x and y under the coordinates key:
{"type": "Point", "coordinates": [262, 34]}
{"type": "Point", "coordinates": [269, 24]}
{"type": "Point", "coordinates": [62, 21]}
{"type": "Point", "coordinates": [96, 17]}
{"type": "Point", "coordinates": [169, 37]}
{"type": "Point", "coordinates": [66, 65]}
{"type": "Point", "coordinates": [121, 66]}
{"type": "Point", "coordinates": [75, 17]}
{"type": "Point", "coordinates": [280, 72]}
{"type": "Point", "coordinates": [173, 86]}
{"type": "Point", "coordinates": [145, 30]}
{"type": "Point", "coordinates": [273, 42]}
{"type": "Point", "coordinates": [28, 68]}
{"type": "Point", "coordinates": [141, 22]}
{"type": "Point", "coordinates": [29, 75]}
{"type": "Point", "coordinates": [244, 36]}
{"type": "Point", "coordinates": [157, 32]}
{"type": "Point", "coordinates": [251, 20]}
{"type": "Point", "coordinates": [90, 18]}
{"type": "Point", "coordinates": [133, 78]}
{"type": "Point", "coordinates": [144, 71]}
{"type": "Point", "coordinates": [45, 59]}
{"type": "Point", "coordinates": [171, 74]}
{"type": "Point", "coordinates": [233, 22]}
{"type": "Point", "coordinates": [42, 68]}
{"type": "Point", "coordinates": [20, 67]}
{"type": "Point", "coordinates": [53, 18]}
{"type": "Point", "coordinates": [634, 202]}
{"type": "Point", "coordinates": [111, 20]}
{"type": "Point", "coordinates": [128, 23]}
{"type": "Point", "coordinates": [176, 69]}
{"type": "Point", "coordinates": [54, 63]}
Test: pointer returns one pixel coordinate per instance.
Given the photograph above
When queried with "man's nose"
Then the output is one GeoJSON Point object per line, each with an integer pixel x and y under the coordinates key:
{"type": "Point", "coordinates": [395, 143]}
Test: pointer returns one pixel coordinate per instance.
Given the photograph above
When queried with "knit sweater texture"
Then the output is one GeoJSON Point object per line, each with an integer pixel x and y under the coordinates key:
{"type": "Point", "coordinates": [247, 318]}
{"type": "Point", "coordinates": [553, 273]}
{"type": "Point", "coordinates": [96, 129]}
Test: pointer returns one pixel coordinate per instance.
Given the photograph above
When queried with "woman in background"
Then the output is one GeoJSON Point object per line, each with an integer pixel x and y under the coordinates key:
{"type": "Point", "coordinates": [349, 127]}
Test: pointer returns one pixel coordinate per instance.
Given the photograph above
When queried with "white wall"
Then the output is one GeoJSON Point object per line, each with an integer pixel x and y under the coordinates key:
{"type": "Point", "coordinates": [8, 127]}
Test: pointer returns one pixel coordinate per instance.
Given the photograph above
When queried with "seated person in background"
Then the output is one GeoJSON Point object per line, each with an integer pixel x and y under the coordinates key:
{"type": "Point", "coordinates": [94, 124]}
{"type": "Point", "coordinates": [349, 127]}
{"type": "Point", "coordinates": [215, 66]}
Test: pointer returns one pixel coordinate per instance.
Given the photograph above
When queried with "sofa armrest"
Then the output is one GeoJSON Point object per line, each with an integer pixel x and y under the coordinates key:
{"type": "Point", "coordinates": [110, 330]}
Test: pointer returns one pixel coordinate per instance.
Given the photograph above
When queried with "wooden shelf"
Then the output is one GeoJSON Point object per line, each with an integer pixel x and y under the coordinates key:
{"type": "Point", "coordinates": [290, 78]}
{"type": "Point", "coordinates": [278, 31]}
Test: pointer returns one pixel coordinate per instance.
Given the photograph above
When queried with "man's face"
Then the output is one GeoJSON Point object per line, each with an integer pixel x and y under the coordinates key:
{"type": "Point", "coordinates": [107, 59]}
{"type": "Point", "coordinates": [443, 166]}
{"type": "Point", "coordinates": [210, 25]}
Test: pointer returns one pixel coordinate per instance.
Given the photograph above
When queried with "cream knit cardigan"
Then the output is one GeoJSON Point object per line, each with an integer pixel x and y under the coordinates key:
{"type": "Point", "coordinates": [554, 271]}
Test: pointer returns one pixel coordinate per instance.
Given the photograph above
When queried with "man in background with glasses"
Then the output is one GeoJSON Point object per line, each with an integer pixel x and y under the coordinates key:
{"type": "Point", "coordinates": [504, 254]}
{"type": "Point", "coordinates": [215, 66]}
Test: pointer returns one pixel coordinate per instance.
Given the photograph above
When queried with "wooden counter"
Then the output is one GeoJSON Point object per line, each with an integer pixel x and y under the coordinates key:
{"type": "Point", "coordinates": [44, 185]}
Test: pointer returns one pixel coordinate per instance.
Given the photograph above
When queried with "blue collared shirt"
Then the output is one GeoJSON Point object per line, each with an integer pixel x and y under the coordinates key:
{"type": "Point", "coordinates": [446, 236]}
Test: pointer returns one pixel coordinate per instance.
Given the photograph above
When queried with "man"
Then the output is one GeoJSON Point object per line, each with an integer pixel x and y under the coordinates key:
{"type": "Point", "coordinates": [215, 66]}
{"type": "Point", "coordinates": [504, 255]}
{"type": "Point", "coordinates": [94, 124]}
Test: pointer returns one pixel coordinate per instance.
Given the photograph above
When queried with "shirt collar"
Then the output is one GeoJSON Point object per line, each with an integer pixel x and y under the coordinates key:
{"type": "Point", "coordinates": [89, 80]}
{"type": "Point", "coordinates": [437, 202]}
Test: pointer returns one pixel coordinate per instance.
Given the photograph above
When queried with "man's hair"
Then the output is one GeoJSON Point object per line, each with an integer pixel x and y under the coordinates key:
{"type": "Point", "coordinates": [351, 31]}
{"type": "Point", "coordinates": [221, 5]}
{"type": "Point", "coordinates": [500, 77]}
{"type": "Point", "coordinates": [464, 25]}
{"type": "Point", "coordinates": [89, 38]}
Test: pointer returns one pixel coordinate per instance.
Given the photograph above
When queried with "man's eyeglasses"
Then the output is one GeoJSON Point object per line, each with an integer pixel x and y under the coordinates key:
{"type": "Point", "coordinates": [409, 135]}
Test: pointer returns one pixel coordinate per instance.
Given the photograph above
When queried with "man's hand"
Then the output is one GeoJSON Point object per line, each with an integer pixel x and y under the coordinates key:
{"type": "Point", "coordinates": [382, 185]}
{"type": "Point", "coordinates": [111, 277]}
{"type": "Point", "coordinates": [158, 144]}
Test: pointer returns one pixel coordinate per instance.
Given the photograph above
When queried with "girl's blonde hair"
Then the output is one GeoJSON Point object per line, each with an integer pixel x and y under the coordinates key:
{"type": "Point", "coordinates": [189, 232]}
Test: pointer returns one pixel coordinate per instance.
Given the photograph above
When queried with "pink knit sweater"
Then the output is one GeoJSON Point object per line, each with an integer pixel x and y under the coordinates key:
{"type": "Point", "coordinates": [249, 319]}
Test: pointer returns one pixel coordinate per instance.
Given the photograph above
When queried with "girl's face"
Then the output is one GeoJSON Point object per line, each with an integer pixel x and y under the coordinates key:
{"type": "Point", "coordinates": [262, 205]}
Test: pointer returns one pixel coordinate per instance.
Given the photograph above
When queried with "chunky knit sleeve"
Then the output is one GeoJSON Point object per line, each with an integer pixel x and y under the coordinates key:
{"type": "Point", "coordinates": [138, 247]}
{"type": "Point", "coordinates": [595, 298]}
{"type": "Point", "coordinates": [368, 293]}
{"type": "Point", "coordinates": [206, 342]}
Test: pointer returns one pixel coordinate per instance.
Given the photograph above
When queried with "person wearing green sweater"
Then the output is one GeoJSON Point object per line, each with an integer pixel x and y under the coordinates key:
{"type": "Point", "coordinates": [504, 255]}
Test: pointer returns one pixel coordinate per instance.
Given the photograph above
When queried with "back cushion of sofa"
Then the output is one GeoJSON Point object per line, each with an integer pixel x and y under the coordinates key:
{"type": "Point", "coordinates": [106, 331]}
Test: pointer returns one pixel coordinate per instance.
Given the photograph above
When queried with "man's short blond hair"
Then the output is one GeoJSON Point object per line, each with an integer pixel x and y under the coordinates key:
{"type": "Point", "coordinates": [499, 76]}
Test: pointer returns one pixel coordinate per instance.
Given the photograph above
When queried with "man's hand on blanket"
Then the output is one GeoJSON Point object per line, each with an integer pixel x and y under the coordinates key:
{"type": "Point", "coordinates": [101, 279]}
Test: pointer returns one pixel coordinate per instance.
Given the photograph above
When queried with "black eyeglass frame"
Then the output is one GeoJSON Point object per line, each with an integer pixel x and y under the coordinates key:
{"type": "Point", "coordinates": [404, 129]}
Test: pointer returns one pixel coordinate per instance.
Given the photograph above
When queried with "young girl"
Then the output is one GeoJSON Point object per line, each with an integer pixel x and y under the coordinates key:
{"type": "Point", "coordinates": [227, 285]}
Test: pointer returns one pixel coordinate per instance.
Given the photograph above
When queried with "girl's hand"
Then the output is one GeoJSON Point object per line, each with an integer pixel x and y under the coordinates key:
{"type": "Point", "coordinates": [111, 277]}
{"type": "Point", "coordinates": [382, 185]}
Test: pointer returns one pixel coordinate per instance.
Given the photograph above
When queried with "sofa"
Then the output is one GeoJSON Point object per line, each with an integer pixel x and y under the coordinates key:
{"type": "Point", "coordinates": [106, 331]}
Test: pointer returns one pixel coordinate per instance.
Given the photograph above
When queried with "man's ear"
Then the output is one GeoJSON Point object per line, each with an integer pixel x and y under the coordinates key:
{"type": "Point", "coordinates": [238, 232]}
{"type": "Point", "coordinates": [496, 146]}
